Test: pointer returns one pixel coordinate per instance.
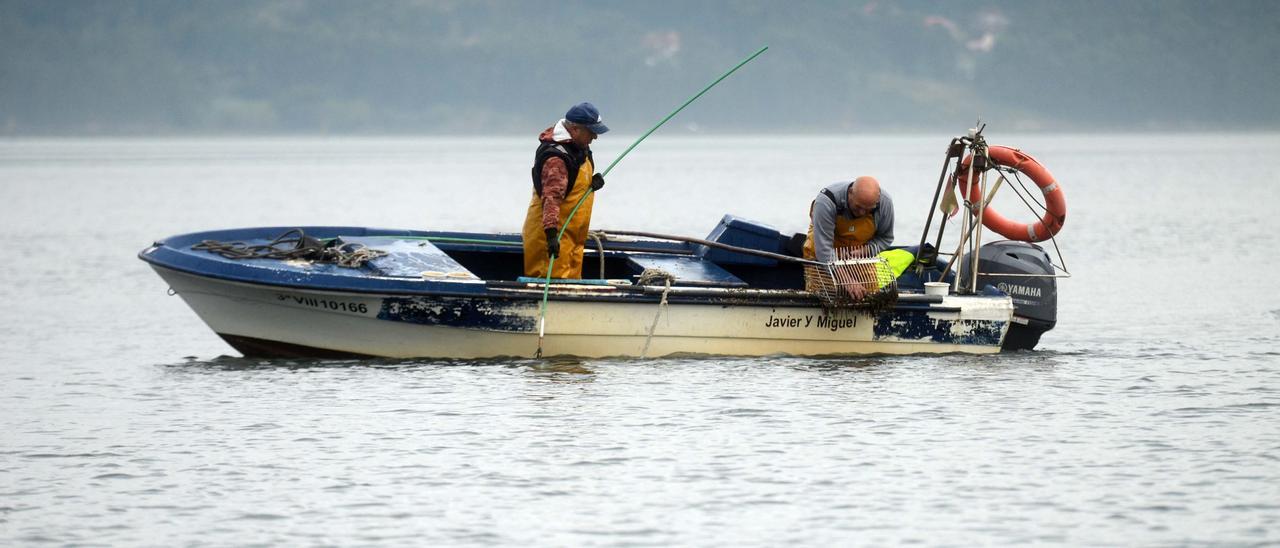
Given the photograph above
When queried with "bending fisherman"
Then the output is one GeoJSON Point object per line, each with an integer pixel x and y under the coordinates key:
{"type": "Point", "coordinates": [849, 214]}
{"type": "Point", "coordinates": [856, 215]}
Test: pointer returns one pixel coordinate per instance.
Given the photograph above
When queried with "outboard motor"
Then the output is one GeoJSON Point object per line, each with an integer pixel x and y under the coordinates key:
{"type": "Point", "coordinates": [1035, 298]}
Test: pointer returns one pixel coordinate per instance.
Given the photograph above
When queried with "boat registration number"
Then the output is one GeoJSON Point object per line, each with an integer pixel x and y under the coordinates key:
{"type": "Point", "coordinates": [325, 304]}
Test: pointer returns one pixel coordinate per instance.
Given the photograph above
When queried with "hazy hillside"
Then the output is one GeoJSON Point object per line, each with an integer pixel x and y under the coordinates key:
{"type": "Point", "coordinates": [298, 66]}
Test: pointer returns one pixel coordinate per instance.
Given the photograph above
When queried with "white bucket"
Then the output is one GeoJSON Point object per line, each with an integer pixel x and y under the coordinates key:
{"type": "Point", "coordinates": [937, 288]}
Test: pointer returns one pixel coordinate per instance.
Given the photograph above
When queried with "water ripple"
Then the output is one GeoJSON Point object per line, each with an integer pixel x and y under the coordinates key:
{"type": "Point", "coordinates": [1147, 420]}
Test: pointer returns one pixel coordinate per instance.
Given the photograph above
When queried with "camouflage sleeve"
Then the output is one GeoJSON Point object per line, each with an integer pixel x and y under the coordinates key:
{"type": "Point", "coordinates": [555, 180]}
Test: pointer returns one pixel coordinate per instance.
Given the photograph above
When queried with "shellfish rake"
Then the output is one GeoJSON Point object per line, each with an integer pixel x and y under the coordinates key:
{"type": "Point", "coordinates": [852, 281]}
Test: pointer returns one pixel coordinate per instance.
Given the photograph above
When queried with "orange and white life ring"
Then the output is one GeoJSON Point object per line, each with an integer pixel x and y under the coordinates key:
{"type": "Point", "coordinates": [1054, 200]}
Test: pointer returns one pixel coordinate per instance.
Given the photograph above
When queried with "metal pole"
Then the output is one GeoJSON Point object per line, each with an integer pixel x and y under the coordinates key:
{"type": "Point", "coordinates": [977, 232]}
{"type": "Point", "coordinates": [924, 234]}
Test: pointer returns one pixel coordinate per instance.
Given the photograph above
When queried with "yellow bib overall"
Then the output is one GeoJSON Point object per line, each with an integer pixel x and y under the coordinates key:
{"type": "Point", "coordinates": [569, 263]}
{"type": "Point", "coordinates": [849, 232]}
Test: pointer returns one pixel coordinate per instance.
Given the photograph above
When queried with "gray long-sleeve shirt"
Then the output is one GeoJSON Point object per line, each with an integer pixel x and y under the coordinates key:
{"type": "Point", "coordinates": [824, 221]}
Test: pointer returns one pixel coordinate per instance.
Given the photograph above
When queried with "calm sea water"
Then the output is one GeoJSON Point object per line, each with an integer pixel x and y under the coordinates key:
{"type": "Point", "coordinates": [1150, 416]}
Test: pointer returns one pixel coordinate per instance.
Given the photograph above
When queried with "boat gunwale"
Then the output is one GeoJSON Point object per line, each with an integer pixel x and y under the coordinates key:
{"type": "Point", "coordinates": [926, 303]}
{"type": "Point", "coordinates": [163, 254]}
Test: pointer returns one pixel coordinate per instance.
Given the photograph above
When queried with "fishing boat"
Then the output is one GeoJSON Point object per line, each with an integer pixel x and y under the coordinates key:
{"type": "Point", "coordinates": [333, 291]}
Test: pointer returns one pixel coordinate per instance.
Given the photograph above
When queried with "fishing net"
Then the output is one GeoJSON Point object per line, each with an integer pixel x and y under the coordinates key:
{"type": "Point", "coordinates": [296, 245]}
{"type": "Point", "coordinates": [852, 281]}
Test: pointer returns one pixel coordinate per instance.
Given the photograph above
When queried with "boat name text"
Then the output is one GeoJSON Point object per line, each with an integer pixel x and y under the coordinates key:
{"type": "Point", "coordinates": [823, 322]}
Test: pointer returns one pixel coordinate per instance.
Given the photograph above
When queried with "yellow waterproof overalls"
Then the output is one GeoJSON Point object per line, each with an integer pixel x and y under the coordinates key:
{"type": "Point", "coordinates": [849, 232]}
{"type": "Point", "coordinates": [569, 263]}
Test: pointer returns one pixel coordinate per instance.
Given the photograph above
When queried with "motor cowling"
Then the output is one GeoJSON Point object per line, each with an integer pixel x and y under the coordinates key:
{"type": "Point", "coordinates": [1024, 272]}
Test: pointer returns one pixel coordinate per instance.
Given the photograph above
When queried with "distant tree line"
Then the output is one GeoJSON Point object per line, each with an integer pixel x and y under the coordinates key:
{"type": "Point", "coordinates": [445, 67]}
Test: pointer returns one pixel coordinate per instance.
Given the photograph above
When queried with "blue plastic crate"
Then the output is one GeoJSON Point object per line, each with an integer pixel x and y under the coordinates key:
{"type": "Point", "coordinates": [739, 232]}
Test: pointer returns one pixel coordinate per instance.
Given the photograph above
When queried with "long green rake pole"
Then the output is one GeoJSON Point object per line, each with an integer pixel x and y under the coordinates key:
{"type": "Point", "coordinates": [546, 287]}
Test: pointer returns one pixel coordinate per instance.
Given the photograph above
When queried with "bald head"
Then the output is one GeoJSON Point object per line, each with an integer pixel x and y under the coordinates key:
{"type": "Point", "coordinates": [864, 195]}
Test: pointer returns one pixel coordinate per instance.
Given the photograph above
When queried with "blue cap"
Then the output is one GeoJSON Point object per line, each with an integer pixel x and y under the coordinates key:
{"type": "Point", "coordinates": [587, 115]}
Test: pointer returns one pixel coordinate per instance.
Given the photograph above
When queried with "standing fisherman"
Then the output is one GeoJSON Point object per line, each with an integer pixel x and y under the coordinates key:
{"type": "Point", "coordinates": [563, 171]}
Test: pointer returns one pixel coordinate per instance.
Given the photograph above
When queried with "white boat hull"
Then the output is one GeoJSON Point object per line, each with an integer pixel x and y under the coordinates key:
{"type": "Point", "coordinates": [407, 326]}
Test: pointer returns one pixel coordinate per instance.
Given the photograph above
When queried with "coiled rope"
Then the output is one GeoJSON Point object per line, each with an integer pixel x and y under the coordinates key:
{"type": "Point", "coordinates": [597, 236]}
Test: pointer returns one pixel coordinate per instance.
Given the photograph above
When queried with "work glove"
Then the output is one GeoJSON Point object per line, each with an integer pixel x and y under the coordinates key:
{"type": "Point", "coordinates": [597, 182]}
{"type": "Point", "coordinates": [553, 245]}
